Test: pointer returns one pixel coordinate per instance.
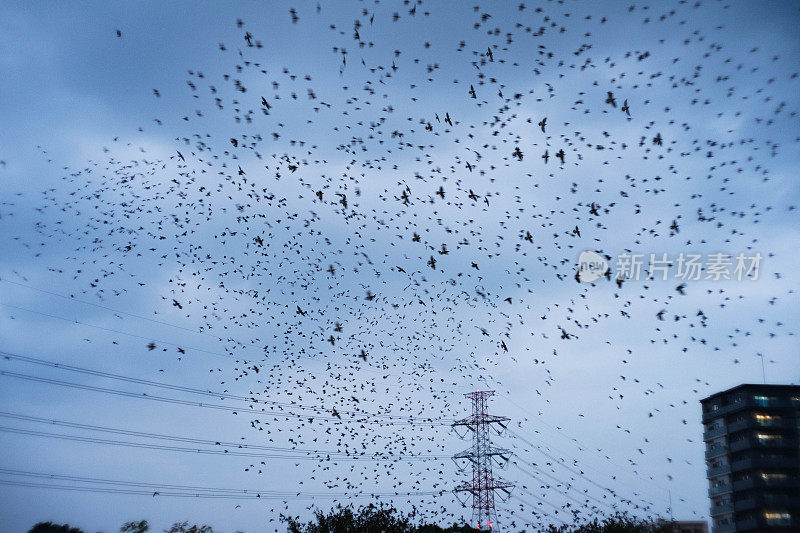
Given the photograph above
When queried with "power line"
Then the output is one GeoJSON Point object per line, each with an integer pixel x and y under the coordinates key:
{"type": "Point", "coordinates": [220, 395]}
{"type": "Point", "coordinates": [237, 445]}
{"type": "Point", "coordinates": [538, 521]}
{"type": "Point", "coordinates": [333, 457]}
{"type": "Point", "coordinates": [534, 506]}
{"type": "Point", "coordinates": [576, 472]}
{"type": "Point", "coordinates": [73, 298]}
{"type": "Point", "coordinates": [133, 487]}
{"type": "Point", "coordinates": [207, 495]}
{"type": "Point", "coordinates": [182, 346]}
{"type": "Point", "coordinates": [537, 498]}
{"type": "Point", "coordinates": [567, 486]}
{"type": "Point", "coordinates": [72, 320]}
{"type": "Point", "coordinates": [580, 445]}
{"type": "Point", "coordinates": [145, 396]}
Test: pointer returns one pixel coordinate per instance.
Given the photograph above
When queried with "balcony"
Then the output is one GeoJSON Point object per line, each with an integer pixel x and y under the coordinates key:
{"type": "Point", "coordinates": [714, 433]}
{"type": "Point", "coordinates": [720, 489]}
{"type": "Point", "coordinates": [723, 528]}
{"type": "Point", "coordinates": [747, 403]}
{"type": "Point", "coordinates": [742, 444]}
{"type": "Point", "coordinates": [745, 484]}
{"type": "Point", "coordinates": [763, 462]}
{"type": "Point", "coordinates": [716, 451]}
{"type": "Point", "coordinates": [753, 423]}
{"type": "Point", "coordinates": [718, 470]}
{"type": "Point", "coordinates": [789, 481]}
{"type": "Point", "coordinates": [750, 524]}
{"type": "Point", "coordinates": [721, 509]}
{"type": "Point", "coordinates": [754, 443]}
{"type": "Point", "coordinates": [758, 523]}
{"type": "Point", "coordinates": [766, 500]}
{"type": "Point", "coordinates": [781, 443]}
{"type": "Point", "coordinates": [775, 403]}
{"type": "Point", "coordinates": [783, 523]}
{"type": "Point", "coordinates": [739, 425]}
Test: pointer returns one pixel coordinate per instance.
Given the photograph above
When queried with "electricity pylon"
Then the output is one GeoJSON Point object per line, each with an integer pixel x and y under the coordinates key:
{"type": "Point", "coordinates": [481, 454]}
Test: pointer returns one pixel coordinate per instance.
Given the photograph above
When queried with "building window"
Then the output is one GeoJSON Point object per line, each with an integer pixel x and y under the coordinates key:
{"type": "Point", "coordinates": [766, 420]}
{"type": "Point", "coordinates": [773, 476]}
{"type": "Point", "coordinates": [778, 518]}
{"type": "Point", "coordinates": [763, 400]}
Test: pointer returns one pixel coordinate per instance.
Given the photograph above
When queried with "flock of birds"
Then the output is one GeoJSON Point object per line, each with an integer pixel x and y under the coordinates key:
{"type": "Point", "coordinates": [369, 246]}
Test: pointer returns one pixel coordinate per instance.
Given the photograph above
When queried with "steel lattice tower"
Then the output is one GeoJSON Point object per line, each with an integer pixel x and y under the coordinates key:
{"type": "Point", "coordinates": [481, 454]}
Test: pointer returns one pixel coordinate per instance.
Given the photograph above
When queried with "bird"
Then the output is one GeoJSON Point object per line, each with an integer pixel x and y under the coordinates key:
{"type": "Point", "coordinates": [342, 211]}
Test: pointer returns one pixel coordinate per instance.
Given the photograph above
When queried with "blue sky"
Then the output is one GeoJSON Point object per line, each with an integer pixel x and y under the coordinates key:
{"type": "Point", "coordinates": [91, 181]}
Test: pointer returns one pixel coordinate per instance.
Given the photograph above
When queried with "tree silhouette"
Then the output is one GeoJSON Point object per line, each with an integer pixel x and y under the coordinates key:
{"type": "Point", "coordinates": [383, 518]}
{"type": "Point", "coordinates": [386, 519]}
{"type": "Point", "coordinates": [618, 523]}
{"type": "Point", "coordinates": [49, 527]}
{"type": "Point", "coordinates": [135, 527]}
{"type": "Point", "coordinates": [184, 527]}
{"type": "Point", "coordinates": [367, 519]}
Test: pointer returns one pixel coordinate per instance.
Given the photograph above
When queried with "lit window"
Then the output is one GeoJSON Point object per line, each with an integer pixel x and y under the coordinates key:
{"type": "Point", "coordinates": [764, 400]}
{"type": "Point", "coordinates": [767, 420]}
{"type": "Point", "coordinates": [767, 436]}
{"type": "Point", "coordinates": [773, 475]}
{"type": "Point", "coordinates": [777, 517]}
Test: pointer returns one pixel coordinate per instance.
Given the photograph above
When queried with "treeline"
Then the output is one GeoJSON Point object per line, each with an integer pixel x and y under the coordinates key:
{"type": "Point", "coordinates": [385, 519]}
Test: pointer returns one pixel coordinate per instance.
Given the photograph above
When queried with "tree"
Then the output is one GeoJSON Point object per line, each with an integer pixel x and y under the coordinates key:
{"type": "Point", "coordinates": [184, 527]}
{"type": "Point", "coordinates": [49, 527]}
{"type": "Point", "coordinates": [385, 519]}
{"type": "Point", "coordinates": [135, 527]}
{"type": "Point", "coordinates": [368, 519]}
{"type": "Point", "coordinates": [617, 523]}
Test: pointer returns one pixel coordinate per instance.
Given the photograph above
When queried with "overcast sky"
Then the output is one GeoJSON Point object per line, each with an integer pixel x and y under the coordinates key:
{"type": "Point", "coordinates": [90, 181]}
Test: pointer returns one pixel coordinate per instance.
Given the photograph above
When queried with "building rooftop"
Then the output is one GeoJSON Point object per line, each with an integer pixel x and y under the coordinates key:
{"type": "Point", "coordinates": [753, 386]}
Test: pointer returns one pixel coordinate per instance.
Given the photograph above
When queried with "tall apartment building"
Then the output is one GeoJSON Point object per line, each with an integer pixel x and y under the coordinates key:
{"type": "Point", "coordinates": [690, 526]}
{"type": "Point", "coordinates": [752, 436]}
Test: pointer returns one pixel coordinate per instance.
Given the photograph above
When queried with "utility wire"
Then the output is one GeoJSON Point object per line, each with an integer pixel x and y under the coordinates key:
{"type": "Point", "coordinates": [237, 445]}
{"type": "Point", "coordinates": [320, 457]}
{"type": "Point", "coordinates": [576, 472]}
{"type": "Point", "coordinates": [580, 445]}
{"type": "Point", "coordinates": [220, 395]}
{"type": "Point", "coordinates": [191, 491]}
{"type": "Point", "coordinates": [183, 346]}
{"type": "Point", "coordinates": [73, 298]}
{"type": "Point", "coordinates": [145, 396]}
